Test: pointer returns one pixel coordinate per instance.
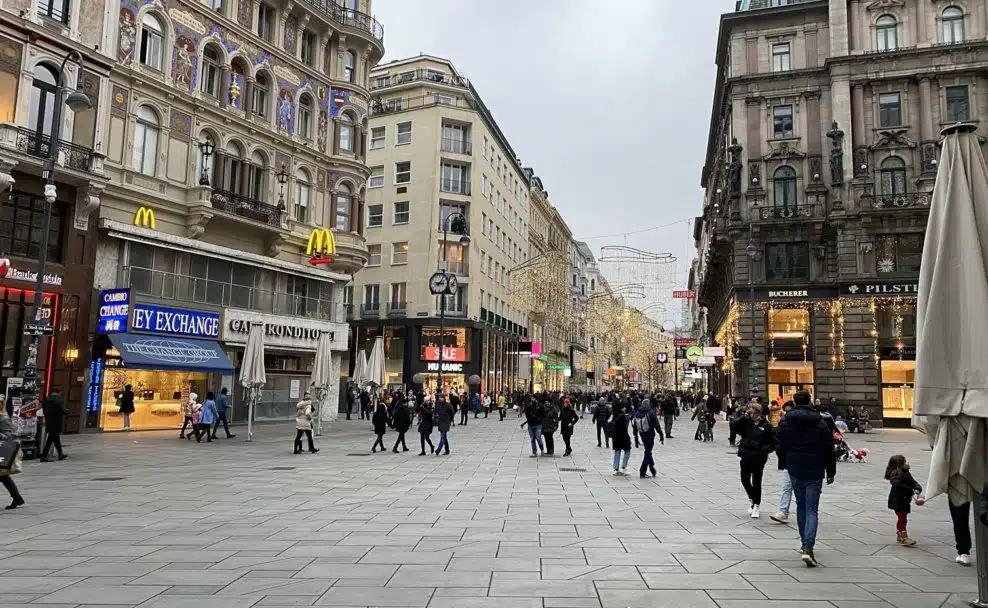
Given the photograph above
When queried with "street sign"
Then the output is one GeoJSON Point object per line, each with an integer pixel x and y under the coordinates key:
{"type": "Point", "coordinates": [693, 353]}
{"type": "Point", "coordinates": [714, 351]}
{"type": "Point", "coordinates": [38, 329]}
{"type": "Point", "coordinates": [684, 341]}
{"type": "Point", "coordinates": [662, 358]}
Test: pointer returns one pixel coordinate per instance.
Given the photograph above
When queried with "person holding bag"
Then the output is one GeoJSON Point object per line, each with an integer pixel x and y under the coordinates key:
{"type": "Point", "coordinates": [6, 443]}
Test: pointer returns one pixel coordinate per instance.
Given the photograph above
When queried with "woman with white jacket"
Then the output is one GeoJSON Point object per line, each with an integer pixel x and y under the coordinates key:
{"type": "Point", "coordinates": [303, 424]}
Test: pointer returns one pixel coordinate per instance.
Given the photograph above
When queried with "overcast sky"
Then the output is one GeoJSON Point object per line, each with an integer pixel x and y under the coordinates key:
{"type": "Point", "coordinates": [610, 106]}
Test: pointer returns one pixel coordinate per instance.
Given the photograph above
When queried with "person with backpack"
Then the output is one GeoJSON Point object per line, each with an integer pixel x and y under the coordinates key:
{"type": "Point", "coordinates": [647, 425]}
{"type": "Point", "coordinates": [601, 414]}
{"type": "Point", "coordinates": [567, 420]}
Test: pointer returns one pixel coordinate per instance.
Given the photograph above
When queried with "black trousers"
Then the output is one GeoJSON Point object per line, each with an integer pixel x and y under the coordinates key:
{"type": "Point", "coordinates": [221, 418]}
{"type": "Point", "coordinates": [401, 440]}
{"type": "Point", "coordinates": [378, 442]}
{"type": "Point", "coordinates": [601, 429]}
{"type": "Point", "coordinates": [424, 438]}
{"type": "Point", "coordinates": [566, 439]}
{"type": "Point", "coordinates": [463, 416]}
{"type": "Point", "coordinates": [503, 412]}
{"type": "Point", "coordinates": [349, 409]}
{"type": "Point", "coordinates": [960, 516]}
{"type": "Point", "coordinates": [667, 419]}
{"type": "Point", "coordinates": [54, 438]}
{"type": "Point", "coordinates": [11, 487]}
{"type": "Point", "coordinates": [187, 423]}
{"type": "Point", "coordinates": [751, 477]}
{"type": "Point", "coordinates": [648, 462]}
{"type": "Point", "coordinates": [298, 439]}
{"type": "Point", "coordinates": [550, 444]}
{"type": "Point", "coordinates": [202, 429]}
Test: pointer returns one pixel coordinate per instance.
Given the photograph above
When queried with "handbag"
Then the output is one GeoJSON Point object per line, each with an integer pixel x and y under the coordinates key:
{"type": "Point", "coordinates": [11, 457]}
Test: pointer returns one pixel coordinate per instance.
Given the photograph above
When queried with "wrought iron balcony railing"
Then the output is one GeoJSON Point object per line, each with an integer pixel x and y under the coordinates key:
{"type": "Point", "coordinates": [456, 146]}
{"type": "Point", "coordinates": [786, 212]}
{"type": "Point", "coordinates": [68, 154]}
{"type": "Point", "coordinates": [397, 309]}
{"type": "Point", "coordinates": [372, 309]}
{"type": "Point", "coordinates": [246, 207]}
{"type": "Point", "coordinates": [348, 17]}
{"type": "Point", "coordinates": [902, 200]}
{"type": "Point", "coordinates": [379, 106]}
{"type": "Point", "coordinates": [383, 82]}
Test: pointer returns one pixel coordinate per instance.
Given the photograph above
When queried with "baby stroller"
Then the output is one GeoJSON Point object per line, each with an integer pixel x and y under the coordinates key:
{"type": "Point", "coordinates": [842, 451]}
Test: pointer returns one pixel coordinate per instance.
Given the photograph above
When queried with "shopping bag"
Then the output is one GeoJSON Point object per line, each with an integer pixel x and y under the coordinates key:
{"type": "Point", "coordinates": [11, 457]}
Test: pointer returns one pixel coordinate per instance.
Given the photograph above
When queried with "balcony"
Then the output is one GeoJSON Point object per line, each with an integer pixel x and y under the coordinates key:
{"type": "Point", "coordinates": [432, 76]}
{"type": "Point", "coordinates": [183, 288]}
{"type": "Point", "coordinates": [246, 207]}
{"type": "Point", "coordinates": [398, 309]}
{"type": "Point", "coordinates": [348, 17]}
{"type": "Point", "coordinates": [903, 200]}
{"type": "Point", "coordinates": [786, 212]}
{"type": "Point", "coordinates": [372, 309]}
{"type": "Point", "coordinates": [457, 146]}
{"type": "Point", "coordinates": [455, 186]}
{"type": "Point", "coordinates": [28, 142]}
{"type": "Point", "coordinates": [379, 107]}
{"type": "Point", "coordinates": [461, 269]}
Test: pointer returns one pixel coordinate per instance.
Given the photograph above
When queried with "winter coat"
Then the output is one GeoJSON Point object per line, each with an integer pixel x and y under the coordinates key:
{"type": "Point", "coordinates": [534, 413]}
{"type": "Point", "coordinates": [622, 436]}
{"type": "Point", "coordinates": [380, 420]}
{"type": "Point", "coordinates": [567, 420]}
{"type": "Point", "coordinates": [550, 421]}
{"type": "Point", "coordinates": [222, 403]}
{"type": "Point", "coordinates": [805, 445]}
{"type": "Point", "coordinates": [669, 405]}
{"type": "Point", "coordinates": [425, 420]}
{"type": "Point", "coordinates": [126, 403]}
{"type": "Point", "coordinates": [901, 493]}
{"type": "Point", "coordinates": [6, 427]}
{"type": "Point", "coordinates": [444, 417]}
{"type": "Point", "coordinates": [756, 440]}
{"type": "Point", "coordinates": [303, 415]}
{"type": "Point", "coordinates": [54, 409]}
{"type": "Point", "coordinates": [208, 412]}
{"type": "Point", "coordinates": [646, 411]}
{"type": "Point", "coordinates": [402, 420]}
{"type": "Point", "coordinates": [601, 413]}
{"type": "Point", "coordinates": [475, 402]}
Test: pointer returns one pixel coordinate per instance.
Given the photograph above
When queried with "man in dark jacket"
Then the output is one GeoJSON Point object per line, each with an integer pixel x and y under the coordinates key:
{"type": "Point", "coordinates": [669, 407]}
{"type": "Point", "coordinates": [222, 405]}
{"type": "Point", "coordinates": [567, 420]}
{"type": "Point", "coordinates": [402, 421]}
{"type": "Point", "coordinates": [601, 415]}
{"type": "Point", "coordinates": [365, 407]}
{"type": "Point", "coordinates": [647, 425]}
{"type": "Point", "coordinates": [54, 409]}
{"type": "Point", "coordinates": [806, 449]}
{"type": "Point", "coordinates": [534, 413]}
{"type": "Point", "coordinates": [444, 420]}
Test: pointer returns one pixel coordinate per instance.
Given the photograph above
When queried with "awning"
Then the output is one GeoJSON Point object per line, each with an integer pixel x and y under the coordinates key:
{"type": "Point", "coordinates": [140, 351]}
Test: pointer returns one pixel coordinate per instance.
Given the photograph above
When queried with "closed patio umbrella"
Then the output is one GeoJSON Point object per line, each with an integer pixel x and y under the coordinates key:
{"type": "Point", "coordinates": [951, 328]}
{"type": "Point", "coordinates": [360, 370]}
{"type": "Point", "coordinates": [252, 375]}
{"type": "Point", "coordinates": [375, 364]}
{"type": "Point", "coordinates": [321, 378]}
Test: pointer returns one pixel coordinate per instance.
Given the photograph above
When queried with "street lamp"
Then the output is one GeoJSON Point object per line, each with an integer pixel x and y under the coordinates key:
{"type": "Point", "coordinates": [444, 283]}
{"type": "Point", "coordinates": [752, 253]}
{"type": "Point", "coordinates": [77, 101]}
{"type": "Point", "coordinates": [206, 148]}
{"type": "Point", "coordinates": [282, 176]}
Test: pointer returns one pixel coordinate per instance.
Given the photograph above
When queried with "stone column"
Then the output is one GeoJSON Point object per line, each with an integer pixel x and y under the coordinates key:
{"type": "Point", "coordinates": [838, 29]}
{"type": "Point", "coordinates": [219, 169]}
{"type": "Point", "coordinates": [919, 16]}
{"type": "Point", "coordinates": [861, 164]}
{"type": "Point", "coordinates": [224, 86]}
{"type": "Point", "coordinates": [244, 172]}
{"type": "Point", "coordinates": [840, 105]}
{"type": "Point", "coordinates": [856, 40]}
{"type": "Point", "coordinates": [340, 51]}
{"type": "Point", "coordinates": [927, 138]}
{"type": "Point", "coordinates": [248, 96]}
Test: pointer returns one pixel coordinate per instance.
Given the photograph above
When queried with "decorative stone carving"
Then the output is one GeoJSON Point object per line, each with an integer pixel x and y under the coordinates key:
{"type": "Point", "coordinates": [867, 247]}
{"type": "Point", "coordinates": [735, 168]}
{"type": "Point", "coordinates": [928, 156]}
{"type": "Point", "coordinates": [893, 139]}
{"type": "Point", "coordinates": [862, 164]}
{"type": "Point", "coordinates": [755, 174]}
{"type": "Point", "coordinates": [274, 243]}
{"type": "Point", "coordinates": [195, 225]}
{"type": "Point", "coordinates": [836, 137]}
{"type": "Point", "coordinates": [87, 201]}
{"type": "Point", "coordinates": [882, 5]}
{"type": "Point", "coordinates": [784, 150]}
{"type": "Point", "coordinates": [6, 179]}
{"type": "Point", "coordinates": [816, 169]}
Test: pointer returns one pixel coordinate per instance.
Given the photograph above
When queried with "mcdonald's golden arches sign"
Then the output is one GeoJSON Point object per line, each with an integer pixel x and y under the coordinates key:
{"type": "Point", "coordinates": [144, 217]}
{"type": "Point", "coordinates": [321, 246]}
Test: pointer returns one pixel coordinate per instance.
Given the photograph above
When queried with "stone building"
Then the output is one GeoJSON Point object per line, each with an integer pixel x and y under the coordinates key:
{"type": "Point", "coordinates": [821, 157]}
{"type": "Point", "coordinates": [235, 144]}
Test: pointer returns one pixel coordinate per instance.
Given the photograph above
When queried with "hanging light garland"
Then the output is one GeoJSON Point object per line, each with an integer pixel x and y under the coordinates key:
{"type": "Point", "coordinates": [873, 306]}
{"type": "Point", "coordinates": [728, 335]}
{"type": "Point", "coordinates": [836, 334]}
{"type": "Point", "coordinates": [897, 329]}
{"type": "Point", "coordinates": [771, 336]}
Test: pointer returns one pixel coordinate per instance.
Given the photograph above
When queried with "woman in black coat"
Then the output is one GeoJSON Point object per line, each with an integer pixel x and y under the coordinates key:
{"type": "Point", "coordinates": [380, 421]}
{"type": "Point", "coordinates": [402, 421]}
{"type": "Point", "coordinates": [756, 440]}
{"type": "Point", "coordinates": [621, 440]}
{"type": "Point", "coordinates": [425, 427]}
{"type": "Point", "coordinates": [127, 405]}
{"type": "Point", "coordinates": [567, 420]}
{"type": "Point", "coordinates": [550, 421]}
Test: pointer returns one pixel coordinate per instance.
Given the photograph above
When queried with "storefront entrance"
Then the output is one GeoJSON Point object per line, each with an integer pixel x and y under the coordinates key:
{"type": "Point", "coordinates": [897, 389]}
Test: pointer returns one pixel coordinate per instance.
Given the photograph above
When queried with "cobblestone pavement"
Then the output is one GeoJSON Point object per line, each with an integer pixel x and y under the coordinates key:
{"type": "Point", "coordinates": [144, 519]}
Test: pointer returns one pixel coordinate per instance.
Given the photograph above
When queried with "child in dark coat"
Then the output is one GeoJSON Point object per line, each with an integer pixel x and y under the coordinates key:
{"type": "Point", "coordinates": [904, 488]}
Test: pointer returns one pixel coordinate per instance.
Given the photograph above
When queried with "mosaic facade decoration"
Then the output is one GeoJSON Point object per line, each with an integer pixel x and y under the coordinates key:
{"type": "Point", "coordinates": [181, 125]}
{"type": "Point", "coordinates": [245, 14]}
{"type": "Point", "coordinates": [10, 56]}
{"type": "Point", "coordinates": [118, 102]}
{"type": "Point", "coordinates": [291, 33]}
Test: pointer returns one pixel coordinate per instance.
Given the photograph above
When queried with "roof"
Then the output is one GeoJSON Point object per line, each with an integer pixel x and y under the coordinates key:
{"type": "Point", "coordinates": [752, 5]}
{"type": "Point", "coordinates": [584, 250]}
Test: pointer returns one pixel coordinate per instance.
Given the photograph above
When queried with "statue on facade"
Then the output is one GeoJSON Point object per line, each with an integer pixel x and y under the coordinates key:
{"type": "Point", "coordinates": [735, 167]}
{"type": "Point", "coordinates": [836, 137]}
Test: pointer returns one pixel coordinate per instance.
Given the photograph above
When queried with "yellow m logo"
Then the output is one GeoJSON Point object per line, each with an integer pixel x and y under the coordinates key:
{"type": "Point", "coordinates": [144, 217]}
{"type": "Point", "coordinates": [321, 242]}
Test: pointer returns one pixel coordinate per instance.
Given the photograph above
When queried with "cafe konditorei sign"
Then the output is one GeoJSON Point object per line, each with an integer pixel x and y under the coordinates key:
{"type": "Point", "coordinates": [282, 332]}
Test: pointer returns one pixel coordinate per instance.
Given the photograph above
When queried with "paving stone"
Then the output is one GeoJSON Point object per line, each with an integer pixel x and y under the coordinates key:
{"type": "Point", "coordinates": [622, 598]}
{"type": "Point", "coordinates": [102, 595]}
{"type": "Point", "coordinates": [377, 596]}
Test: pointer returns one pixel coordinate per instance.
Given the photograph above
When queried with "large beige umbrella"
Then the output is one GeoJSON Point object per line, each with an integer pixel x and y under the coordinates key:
{"type": "Point", "coordinates": [252, 376]}
{"type": "Point", "coordinates": [952, 330]}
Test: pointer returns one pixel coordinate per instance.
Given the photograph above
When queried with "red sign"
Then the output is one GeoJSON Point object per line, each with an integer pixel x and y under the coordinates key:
{"type": "Point", "coordinates": [684, 294]}
{"type": "Point", "coordinates": [450, 353]}
{"type": "Point", "coordinates": [320, 259]}
{"type": "Point", "coordinates": [684, 341]}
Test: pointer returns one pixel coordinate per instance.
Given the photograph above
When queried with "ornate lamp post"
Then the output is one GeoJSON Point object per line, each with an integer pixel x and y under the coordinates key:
{"type": "Point", "coordinates": [444, 283]}
{"type": "Point", "coordinates": [282, 176]}
{"type": "Point", "coordinates": [206, 148]}
{"type": "Point", "coordinates": [752, 254]}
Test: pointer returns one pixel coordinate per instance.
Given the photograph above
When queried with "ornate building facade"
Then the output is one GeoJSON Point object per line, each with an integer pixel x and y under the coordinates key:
{"type": "Point", "coordinates": [821, 159]}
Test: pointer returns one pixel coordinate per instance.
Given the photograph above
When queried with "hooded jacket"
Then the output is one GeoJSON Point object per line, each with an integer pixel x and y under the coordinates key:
{"type": "Point", "coordinates": [645, 410]}
{"type": "Point", "coordinates": [669, 405]}
{"type": "Point", "coordinates": [550, 421]}
{"type": "Point", "coordinates": [402, 419]}
{"type": "Point", "coordinates": [806, 446]}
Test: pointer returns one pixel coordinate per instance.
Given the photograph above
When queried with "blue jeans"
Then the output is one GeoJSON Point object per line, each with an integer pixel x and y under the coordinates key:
{"type": "Point", "coordinates": [617, 458]}
{"type": "Point", "coordinates": [535, 434]}
{"type": "Point", "coordinates": [807, 505]}
{"type": "Point", "coordinates": [443, 442]}
{"type": "Point", "coordinates": [785, 498]}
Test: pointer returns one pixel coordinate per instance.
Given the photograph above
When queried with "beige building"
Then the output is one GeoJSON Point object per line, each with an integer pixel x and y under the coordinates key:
{"type": "Point", "coordinates": [821, 158]}
{"type": "Point", "coordinates": [435, 151]}
{"type": "Point", "coordinates": [235, 143]}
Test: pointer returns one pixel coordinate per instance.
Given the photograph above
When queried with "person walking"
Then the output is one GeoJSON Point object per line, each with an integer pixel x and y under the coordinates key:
{"type": "Point", "coordinates": [904, 489]}
{"type": "Point", "coordinates": [425, 428]}
{"type": "Point", "coordinates": [806, 449]}
{"type": "Point", "coordinates": [647, 423]}
{"type": "Point", "coordinates": [444, 420]}
{"type": "Point", "coordinates": [475, 404]}
{"type": "Point", "coordinates": [461, 405]}
{"type": "Point", "coordinates": [502, 406]}
{"type": "Point", "coordinates": [756, 441]}
{"type": "Point", "coordinates": [188, 405]}
{"type": "Point", "coordinates": [303, 423]}
{"type": "Point", "coordinates": [222, 406]}
{"type": "Point", "coordinates": [567, 420]}
{"type": "Point", "coordinates": [207, 417]}
{"type": "Point", "coordinates": [669, 407]}
{"type": "Point", "coordinates": [534, 413]}
{"type": "Point", "coordinates": [550, 422]}
{"type": "Point", "coordinates": [601, 414]}
{"type": "Point", "coordinates": [380, 422]}
{"type": "Point", "coordinates": [487, 404]}
{"type": "Point", "coordinates": [700, 415]}
{"type": "Point", "coordinates": [349, 402]}
{"type": "Point", "coordinates": [7, 433]}
{"type": "Point", "coordinates": [365, 404]}
{"type": "Point", "coordinates": [402, 421]}
{"type": "Point", "coordinates": [126, 405]}
{"type": "Point", "coordinates": [620, 440]}
{"type": "Point", "coordinates": [54, 410]}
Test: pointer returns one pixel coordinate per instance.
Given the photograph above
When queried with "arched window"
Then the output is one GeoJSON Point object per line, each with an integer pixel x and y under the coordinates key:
{"type": "Point", "coordinates": [350, 66]}
{"type": "Point", "coordinates": [57, 10]}
{"type": "Point", "coordinates": [303, 193]}
{"type": "Point", "coordinates": [42, 107]}
{"type": "Point", "coordinates": [211, 61]}
{"type": "Point", "coordinates": [346, 132]}
{"type": "Point", "coordinates": [893, 177]}
{"type": "Point", "coordinates": [233, 175]}
{"type": "Point", "coordinates": [256, 171]}
{"type": "Point", "coordinates": [262, 95]}
{"type": "Point", "coordinates": [887, 32]}
{"type": "Point", "coordinates": [953, 25]}
{"type": "Point", "coordinates": [305, 116]}
{"type": "Point", "coordinates": [343, 196]}
{"type": "Point", "coordinates": [784, 183]}
{"type": "Point", "coordinates": [152, 35]}
{"type": "Point", "coordinates": [146, 140]}
{"type": "Point", "coordinates": [204, 166]}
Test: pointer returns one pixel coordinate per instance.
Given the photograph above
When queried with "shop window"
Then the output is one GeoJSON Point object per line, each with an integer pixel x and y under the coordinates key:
{"type": "Point", "coordinates": [157, 396]}
{"type": "Point", "coordinates": [21, 226]}
{"type": "Point", "coordinates": [787, 261]}
{"type": "Point", "coordinates": [787, 377]}
{"type": "Point", "coordinates": [898, 254]}
{"type": "Point", "coordinates": [898, 378]}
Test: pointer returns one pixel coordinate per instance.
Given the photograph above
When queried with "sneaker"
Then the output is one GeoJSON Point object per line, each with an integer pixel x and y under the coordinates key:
{"type": "Point", "coordinates": [617, 473]}
{"type": "Point", "coordinates": [780, 517]}
{"type": "Point", "coordinates": [963, 559]}
{"type": "Point", "coordinates": [751, 508]}
{"type": "Point", "coordinates": [903, 539]}
{"type": "Point", "coordinates": [755, 512]}
{"type": "Point", "coordinates": [808, 558]}
{"type": "Point", "coordinates": [624, 471]}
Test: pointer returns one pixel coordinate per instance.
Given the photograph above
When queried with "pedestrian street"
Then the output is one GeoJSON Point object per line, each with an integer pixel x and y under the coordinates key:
{"type": "Point", "coordinates": [144, 519]}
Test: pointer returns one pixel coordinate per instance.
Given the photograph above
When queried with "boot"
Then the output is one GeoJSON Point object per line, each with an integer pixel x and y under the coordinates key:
{"type": "Point", "coordinates": [903, 539]}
